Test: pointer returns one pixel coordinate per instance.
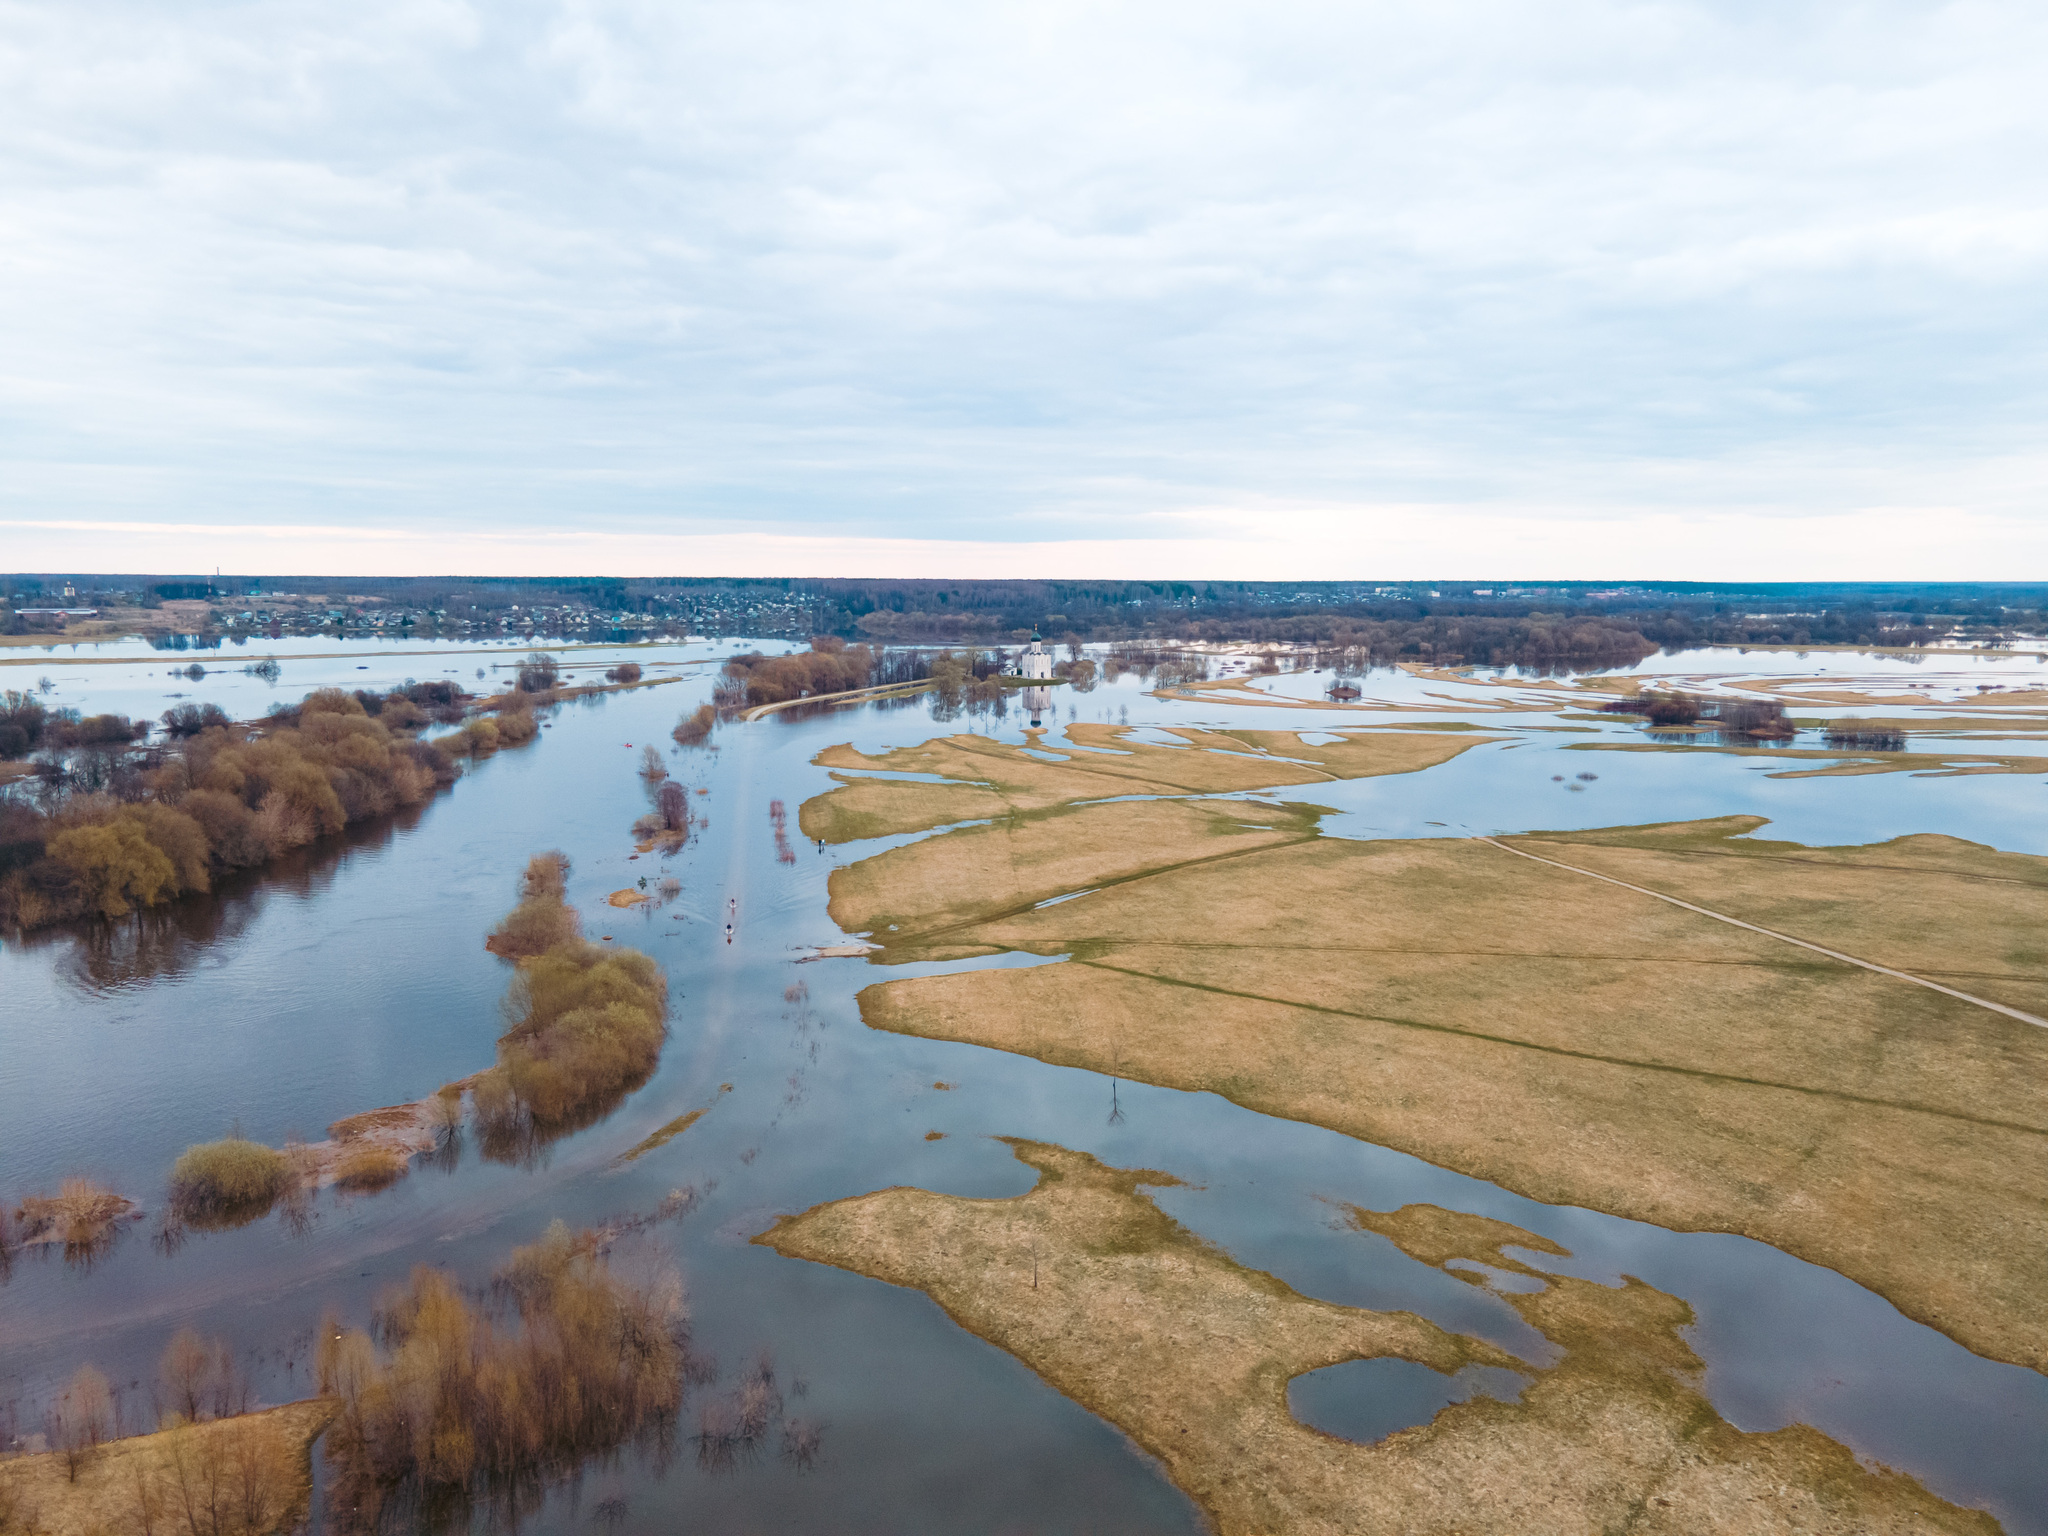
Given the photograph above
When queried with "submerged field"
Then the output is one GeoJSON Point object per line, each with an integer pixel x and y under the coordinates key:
{"type": "Point", "coordinates": [1073, 931]}
{"type": "Point", "coordinates": [1666, 1022]}
{"type": "Point", "coordinates": [1089, 1283]}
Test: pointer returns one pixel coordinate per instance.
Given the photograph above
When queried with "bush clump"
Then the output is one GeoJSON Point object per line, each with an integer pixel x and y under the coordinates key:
{"type": "Point", "coordinates": [624, 672]}
{"type": "Point", "coordinates": [586, 1023]}
{"type": "Point", "coordinates": [567, 1359]}
{"type": "Point", "coordinates": [539, 673]}
{"type": "Point", "coordinates": [543, 920]}
{"type": "Point", "coordinates": [182, 720]}
{"type": "Point", "coordinates": [1657, 708]}
{"type": "Point", "coordinates": [694, 729]}
{"type": "Point", "coordinates": [588, 1026]}
{"type": "Point", "coordinates": [224, 1183]}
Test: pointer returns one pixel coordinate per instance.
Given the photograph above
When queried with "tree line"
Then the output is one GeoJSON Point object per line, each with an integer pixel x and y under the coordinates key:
{"type": "Point", "coordinates": [106, 828]}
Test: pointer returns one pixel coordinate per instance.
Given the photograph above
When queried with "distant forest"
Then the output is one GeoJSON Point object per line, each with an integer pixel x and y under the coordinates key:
{"type": "Point", "coordinates": [1461, 622]}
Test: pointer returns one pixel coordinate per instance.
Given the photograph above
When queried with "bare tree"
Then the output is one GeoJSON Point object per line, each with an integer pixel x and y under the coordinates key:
{"type": "Point", "coordinates": [82, 1419]}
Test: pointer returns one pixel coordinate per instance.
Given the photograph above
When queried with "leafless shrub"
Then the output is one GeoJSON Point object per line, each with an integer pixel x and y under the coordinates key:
{"type": "Point", "coordinates": [81, 1419]}
{"type": "Point", "coordinates": [572, 1361]}
{"type": "Point", "coordinates": [672, 804]}
{"type": "Point", "coordinates": [800, 1442]}
{"type": "Point", "coordinates": [237, 1478]}
{"type": "Point", "coordinates": [198, 1379]}
{"type": "Point", "coordinates": [694, 729]}
{"type": "Point", "coordinates": [539, 672]}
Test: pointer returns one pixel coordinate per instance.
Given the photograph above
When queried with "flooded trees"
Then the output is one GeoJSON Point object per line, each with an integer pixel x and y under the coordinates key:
{"type": "Point", "coordinates": [830, 666]}
{"type": "Point", "coordinates": [587, 1023]}
{"type": "Point", "coordinates": [672, 805]}
{"type": "Point", "coordinates": [694, 729]}
{"type": "Point", "coordinates": [222, 798]}
{"type": "Point", "coordinates": [543, 919]}
{"type": "Point", "coordinates": [568, 1357]}
{"type": "Point", "coordinates": [539, 672]}
{"type": "Point", "coordinates": [197, 1379]}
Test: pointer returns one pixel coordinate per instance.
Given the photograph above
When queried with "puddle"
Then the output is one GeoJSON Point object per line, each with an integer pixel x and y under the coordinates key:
{"type": "Point", "coordinates": [1368, 1400]}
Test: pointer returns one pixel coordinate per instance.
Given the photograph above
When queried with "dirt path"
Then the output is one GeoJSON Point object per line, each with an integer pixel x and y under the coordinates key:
{"type": "Point", "coordinates": [1784, 938]}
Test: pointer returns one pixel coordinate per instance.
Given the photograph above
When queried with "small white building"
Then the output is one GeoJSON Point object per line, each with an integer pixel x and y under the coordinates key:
{"type": "Point", "coordinates": [1037, 664]}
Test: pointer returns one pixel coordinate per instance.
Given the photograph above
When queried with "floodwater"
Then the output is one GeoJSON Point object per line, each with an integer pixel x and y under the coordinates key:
{"type": "Point", "coordinates": [355, 977]}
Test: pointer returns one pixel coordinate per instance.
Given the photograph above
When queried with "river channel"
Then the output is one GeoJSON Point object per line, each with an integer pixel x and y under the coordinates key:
{"type": "Point", "coordinates": [355, 976]}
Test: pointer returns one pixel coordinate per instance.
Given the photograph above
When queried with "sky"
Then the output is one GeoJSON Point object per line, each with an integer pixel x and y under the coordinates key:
{"type": "Point", "coordinates": [1573, 289]}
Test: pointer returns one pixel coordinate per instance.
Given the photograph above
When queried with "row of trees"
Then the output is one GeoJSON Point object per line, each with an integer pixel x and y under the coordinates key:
{"type": "Point", "coordinates": [27, 726]}
{"type": "Point", "coordinates": [829, 666]}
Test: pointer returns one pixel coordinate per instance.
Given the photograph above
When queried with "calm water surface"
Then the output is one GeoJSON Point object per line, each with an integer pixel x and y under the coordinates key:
{"type": "Point", "coordinates": [356, 977]}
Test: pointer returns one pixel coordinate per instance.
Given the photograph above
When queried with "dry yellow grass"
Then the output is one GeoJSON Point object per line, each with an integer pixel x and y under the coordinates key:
{"type": "Point", "coordinates": [1564, 1038]}
{"type": "Point", "coordinates": [662, 1136]}
{"type": "Point", "coordinates": [246, 1476]}
{"type": "Point", "coordinates": [994, 779]}
{"type": "Point", "coordinates": [83, 1216]}
{"type": "Point", "coordinates": [928, 889]}
{"type": "Point", "coordinates": [370, 1166]}
{"type": "Point", "coordinates": [1115, 1304]}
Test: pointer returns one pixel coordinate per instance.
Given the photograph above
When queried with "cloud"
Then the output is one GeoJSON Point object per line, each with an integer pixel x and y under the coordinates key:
{"type": "Point", "coordinates": [1141, 281]}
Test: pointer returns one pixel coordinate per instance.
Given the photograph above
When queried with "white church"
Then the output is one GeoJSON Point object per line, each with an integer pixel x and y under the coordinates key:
{"type": "Point", "coordinates": [1037, 668]}
{"type": "Point", "coordinates": [1037, 663]}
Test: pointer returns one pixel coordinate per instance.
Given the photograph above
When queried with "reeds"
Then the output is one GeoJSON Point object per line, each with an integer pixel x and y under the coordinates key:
{"type": "Point", "coordinates": [228, 1182]}
{"type": "Point", "coordinates": [371, 1166]}
{"type": "Point", "coordinates": [85, 1217]}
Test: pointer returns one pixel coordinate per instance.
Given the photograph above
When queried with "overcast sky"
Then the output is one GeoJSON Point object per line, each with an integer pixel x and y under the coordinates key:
{"type": "Point", "coordinates": [1575, 288]}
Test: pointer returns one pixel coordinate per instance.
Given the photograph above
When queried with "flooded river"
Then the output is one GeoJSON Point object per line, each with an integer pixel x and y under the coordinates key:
{"type": "Point", "coordinates": [355, 976]}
